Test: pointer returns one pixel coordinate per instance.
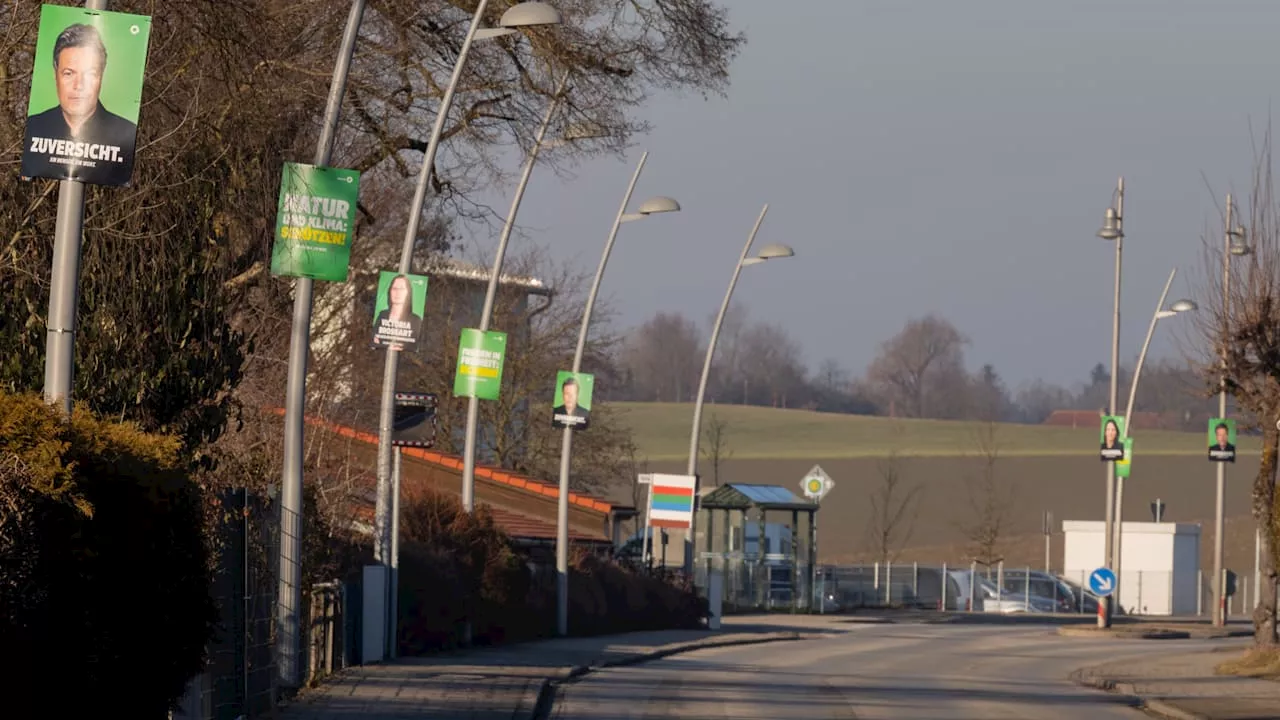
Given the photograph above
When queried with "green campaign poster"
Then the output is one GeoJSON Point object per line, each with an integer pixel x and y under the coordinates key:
{"type": "Point", "coordinates": [398, 309]}
{"type": "Point", "coordinates": [86, 92]}
{"type": "Point", "coordinates": [1111, 432]}
{"type": "Point", "coordinates": [1122, 466]}
{"type": "Point", "coordinates": [480, 359]}
{"type": "Point", "coordinates": [1222, 440]}
{"type": "Point", "coordinates": [572, 404]}
{"type": "Point", "coordinates": [315, 222]}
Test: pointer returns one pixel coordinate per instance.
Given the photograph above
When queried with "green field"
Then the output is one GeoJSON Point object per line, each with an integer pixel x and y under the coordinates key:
{"type": "Point", "coordinates": [661, 432]}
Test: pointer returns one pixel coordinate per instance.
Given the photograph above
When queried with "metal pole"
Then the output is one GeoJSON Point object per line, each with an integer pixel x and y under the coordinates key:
{"type": "Point", "coordinates": [692, 466]}
{"type": "Point", "coordinates": [289, 597]}
{"type": "Point", "coordinates": [566, 441]}
{"type": "Point", "coordinates": [1257, 567]}
{"type": "Point", "coordinates": [473, 403]}
{"type": "Point", "coordinates": [1107, 604]}
{"type": "Point", "coordinates": [1219, 597]}
{"type": "Point", "coordinates": [64, 287]}
{"type": "Point", "coordinates": [391, 365]}
{"type": "Point", "coordinates": [393, 617]}
{"type": "Point", "coordinates": [1118, 541]}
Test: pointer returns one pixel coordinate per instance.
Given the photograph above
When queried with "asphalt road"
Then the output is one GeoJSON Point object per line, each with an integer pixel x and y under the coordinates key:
{"type": "Point", "coordinates": [873, 672]}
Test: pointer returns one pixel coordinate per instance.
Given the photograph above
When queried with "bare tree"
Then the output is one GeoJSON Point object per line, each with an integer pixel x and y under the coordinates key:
{"type": "Point", "coordinates": [771, 362]}
{"type": "Point", "coordinates": [715, 445]}
{"type": "Point", "coordinates": [906, 371]}
{"type": "Point", "coordinates": [663, 358]}
{"type": "Point", "coordinates": [1240, 352]}
{"type": "Point", "coordinates": [894, 509]}
{"type": "Point", "coordinates": [991, 499]}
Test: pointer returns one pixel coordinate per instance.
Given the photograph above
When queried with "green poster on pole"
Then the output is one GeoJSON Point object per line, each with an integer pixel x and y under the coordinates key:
{"type": "Point", "coordinates": [1122, 466]}
{"type": "Point", "coordinates": [480, 359]}
{"type": "Point", "coordinates": [1112, 430]}
{"type": "Point", "coordinates": [571, 406]}
{"type": "Point", "coordinates": [1222, 440]}
{"type": "Point", "coordinates": [315, 222]}
{"type": "Point", "coordinates": [86, 93]}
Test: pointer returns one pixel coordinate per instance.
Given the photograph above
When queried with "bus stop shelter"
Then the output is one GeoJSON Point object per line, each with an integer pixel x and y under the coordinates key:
{"type": "Point", "coordinates": [766, 561]}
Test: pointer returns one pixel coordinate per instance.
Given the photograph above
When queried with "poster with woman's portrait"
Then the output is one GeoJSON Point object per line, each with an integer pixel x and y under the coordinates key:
{"type": "Point", "coordinates": [398, 310]}
{"type": "Point", "coordinates": [1112, 430]}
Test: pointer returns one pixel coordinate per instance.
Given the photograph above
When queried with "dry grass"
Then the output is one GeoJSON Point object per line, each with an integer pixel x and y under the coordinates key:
{"type": "Point", "coordinates": [661, 432]}
{"type": "Point", "coordinates": [1261, 664]}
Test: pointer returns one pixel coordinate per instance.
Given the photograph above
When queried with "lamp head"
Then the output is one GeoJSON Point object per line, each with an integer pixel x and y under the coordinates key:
{"type": "Point", "coordinates": [530, 14]}
{"type": "Point", "coordinates": [1238, 246]}
{"type": "Point", "coordinates": [1110, 226]}
{"type": "Point", "coordinates": [659, 204]}
{"type": "Point", "coordinates": [1184, 305]}
{"type": "Point", "coordinates": [769, 252]}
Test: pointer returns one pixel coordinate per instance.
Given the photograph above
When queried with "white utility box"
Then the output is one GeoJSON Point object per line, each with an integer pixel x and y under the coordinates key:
{"type": "Point", "coordinates": [1159, 564]}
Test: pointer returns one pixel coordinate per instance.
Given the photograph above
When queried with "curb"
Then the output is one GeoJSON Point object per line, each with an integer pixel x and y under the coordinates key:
{"type": "Point", "coordinates": [1119, 634]}
{"type": "Point", "coordinates": [1123, 691]}
{"type": "Point", "coordinates": [545, 703]}
{"type": "Point", "coordinates": [1167, 710]}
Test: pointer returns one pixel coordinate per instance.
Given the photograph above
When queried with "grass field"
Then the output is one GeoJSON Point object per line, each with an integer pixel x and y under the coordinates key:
{"type": "Point", "coordinates": [661, 432]}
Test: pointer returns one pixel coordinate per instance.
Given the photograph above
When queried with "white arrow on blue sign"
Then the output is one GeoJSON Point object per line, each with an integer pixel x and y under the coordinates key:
{"type": "Point", "coordinates": [1102, 582]}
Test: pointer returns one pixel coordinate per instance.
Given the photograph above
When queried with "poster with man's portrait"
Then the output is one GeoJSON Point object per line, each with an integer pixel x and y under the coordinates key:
{"type": "Point", "coordinates": [1112, 445]}
{"type": "Point", "coordinates": [86, 92]}
{"type": "Point", "coordinates": [397, 312]}
{"type": "Point", "coordinates": [571, 407]}
{"type": "Point", "coordinates": [1222, 440]}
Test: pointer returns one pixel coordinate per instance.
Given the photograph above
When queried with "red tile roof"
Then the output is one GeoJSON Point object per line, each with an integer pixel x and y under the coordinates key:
{"type": "Point", "coordinates": [454, 462]}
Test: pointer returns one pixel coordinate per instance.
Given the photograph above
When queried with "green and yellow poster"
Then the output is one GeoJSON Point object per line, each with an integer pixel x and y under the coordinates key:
{"type": "Point", "coordinates": [1111, 432]}
{"type": "Point", "coordinates": [571, 406]}
{"type": "Point", "coordinates": [86, 93]}
{"type": "Point", "coordinates": [1123, 466]}
{"type": "Point", "coordinates": [315, 222]}
{"type": "Point", "coordinates": [480, 359]}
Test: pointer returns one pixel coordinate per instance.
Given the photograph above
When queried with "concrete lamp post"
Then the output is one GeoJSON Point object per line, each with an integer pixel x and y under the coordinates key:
{"type": "Point", "coordinates": [652, 206]}
{"type": "Point", "coordinates": [1112, 229]}
{"type": "Point", "coordinates": [523, 15]}
{"type": "Point", "coordinates": [768, 252]}
{"type": "Point", "coordinates": [1181, 306]}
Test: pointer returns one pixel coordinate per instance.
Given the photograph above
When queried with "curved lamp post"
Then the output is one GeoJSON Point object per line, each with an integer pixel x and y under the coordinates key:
{"type": "Point", "coordinates": [652, 206]}
{"type": "Point", "coordinates": [1180, 306]}
{"type": "Point", "coordinates": [529, 14]}
{"type": "Point", "coordinates": [1233, 245]}
{"type": "Point", "coordinates": [1112, 229]}
{"type": "Point", "coordinates": [522, 15]}
{"type": "Point", "coordinates": [768, 252]}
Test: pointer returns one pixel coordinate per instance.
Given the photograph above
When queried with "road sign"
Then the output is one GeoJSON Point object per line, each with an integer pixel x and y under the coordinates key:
{"type": "Point", "coordinates": [816, 483]}
{"type": "Point", "coordinates": [1102, 582]}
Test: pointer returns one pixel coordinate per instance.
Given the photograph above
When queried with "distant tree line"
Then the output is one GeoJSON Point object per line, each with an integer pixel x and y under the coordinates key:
{"type": "Point", "coordinates": [921, 372]}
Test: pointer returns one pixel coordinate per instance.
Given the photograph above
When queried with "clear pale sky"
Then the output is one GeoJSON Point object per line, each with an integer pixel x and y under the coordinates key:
{"type": "Point", "coordinates": [950, 157]}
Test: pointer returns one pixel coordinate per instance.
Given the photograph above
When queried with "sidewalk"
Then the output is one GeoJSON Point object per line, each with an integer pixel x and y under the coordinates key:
{"type": "Point", "coordinates": [1183, 686]}
{"type": "Point", "coordinates": [507, 682]}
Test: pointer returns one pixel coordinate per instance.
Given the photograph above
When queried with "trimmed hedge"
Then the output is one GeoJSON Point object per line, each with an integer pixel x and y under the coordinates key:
{"type": "Point", "coordinates": [456, 567]}
{"type": "Point", "coordinates": [104, 579]}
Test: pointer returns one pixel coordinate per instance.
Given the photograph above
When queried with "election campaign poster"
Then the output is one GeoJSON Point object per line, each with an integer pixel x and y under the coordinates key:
{"type": "Point", "coordinates": [1222, 440]}
{"type": "Point", "coordinates": [397, 312]}
{"type": "Point", "coordinates": [86, 93]}
{"type": "Point", "coordinates": [571, 406]}
{"type": "Point", "coordinates": [315, 222]}
{"type": "Point", "coordinates": [480, 359]}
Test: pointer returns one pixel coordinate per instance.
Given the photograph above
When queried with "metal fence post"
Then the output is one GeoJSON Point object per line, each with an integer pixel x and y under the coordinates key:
{"type": "Point", "coordinates": [888, 582]}
{"type": "Point", "coordinates": [943, 601]}
{"type": "Point", "coordinates": [875, 584]}
{"type": "Point", "coordinates": [915, 580]}
{"type": "Point", "coordinates": [1199, 592]}
{"type": "Point", "coordinates": [973, 581]}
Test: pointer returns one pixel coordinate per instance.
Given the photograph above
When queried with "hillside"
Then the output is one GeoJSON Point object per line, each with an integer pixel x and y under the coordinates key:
{"type": "Point", "coordinates": [661, 433]}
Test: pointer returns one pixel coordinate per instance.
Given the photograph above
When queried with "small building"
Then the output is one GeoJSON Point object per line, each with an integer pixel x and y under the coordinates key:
{"type": "Point", "coordinates": [765, 564]}
{"type": "Point", "coordinates": [1159, 564]}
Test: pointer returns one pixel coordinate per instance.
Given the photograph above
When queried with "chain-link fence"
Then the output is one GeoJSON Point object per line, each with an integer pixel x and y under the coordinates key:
{"type": "Point", "coordinates": [1024, 589]}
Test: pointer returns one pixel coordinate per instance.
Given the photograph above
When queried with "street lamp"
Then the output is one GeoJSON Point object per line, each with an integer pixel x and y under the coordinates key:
{"type": "Point", "coordinates": [1233, 245]}
{"type": "Point", "coordinates": [1180, 306]}
{"type": "Point", "coordinates": [524, 15]}
{"type": "Point", "coordinates": [652, 206]}
{"type": "Point", "coordinates": [1112, 229]}
{"type": "Point", "coordinates": [768, 252]}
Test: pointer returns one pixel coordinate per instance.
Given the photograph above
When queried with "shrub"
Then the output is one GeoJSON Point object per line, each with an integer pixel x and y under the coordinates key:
{"type": "Point", "coordinates": [456, 567]}
{"type": "Point", "coordinates": [104, 580]}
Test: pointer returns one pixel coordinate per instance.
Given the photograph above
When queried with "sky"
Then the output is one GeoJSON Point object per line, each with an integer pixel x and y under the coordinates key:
{"type": "Point", "coordinates": [937, 157]}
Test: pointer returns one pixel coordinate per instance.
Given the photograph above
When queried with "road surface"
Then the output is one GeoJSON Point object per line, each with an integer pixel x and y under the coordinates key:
{"type": "Point", "coordinates": [874, 672]}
